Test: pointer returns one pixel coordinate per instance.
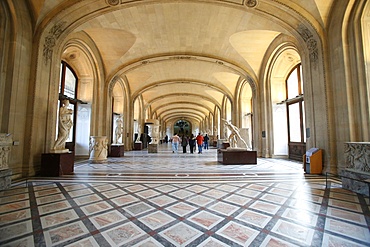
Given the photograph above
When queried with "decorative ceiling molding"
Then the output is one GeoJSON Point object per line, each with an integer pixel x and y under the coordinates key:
{"type": "Point", "coordinates": [50, 39]}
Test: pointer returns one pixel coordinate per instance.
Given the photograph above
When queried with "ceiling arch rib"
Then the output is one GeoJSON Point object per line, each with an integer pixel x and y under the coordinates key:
{"type": "Point", "coordinates": [170, 83]}
{"type": "Point", "coordinates": [183, 114]}
{"type": "Point", "coordinates": [196, 97]}
{"type": "Point", "coordinates": [183, 104]}
{"type": "Point", "coordinates": [176, 110]}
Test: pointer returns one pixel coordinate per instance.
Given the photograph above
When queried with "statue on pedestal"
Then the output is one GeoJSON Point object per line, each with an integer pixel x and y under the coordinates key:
{"type": "Point", "coordinates": [64, 126]}
{"type": "Point", "coordinates": [138, 134]}
{"type": "Point", "coordinates": [235, 135]}
{"type": "Point", "coordinates": [118, 130]}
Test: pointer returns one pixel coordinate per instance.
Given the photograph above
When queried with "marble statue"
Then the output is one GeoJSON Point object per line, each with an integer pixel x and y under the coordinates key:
{"type": "Point", "coordinates": [138, 134]}
{"type": "Point", "coordinates": [235, 135]}
{"type": "Point", "coordinates": [64, 126]}
{"type": "Point", "coordinates": [118, 130]}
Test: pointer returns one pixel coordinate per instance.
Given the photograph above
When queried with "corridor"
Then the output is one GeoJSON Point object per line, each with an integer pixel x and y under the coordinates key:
{"type": "Point", "coordinates": [166, 199]}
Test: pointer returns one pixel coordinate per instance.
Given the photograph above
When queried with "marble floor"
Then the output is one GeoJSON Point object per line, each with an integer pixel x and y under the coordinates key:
{"type": "Point", "coordinates": [169, 199]}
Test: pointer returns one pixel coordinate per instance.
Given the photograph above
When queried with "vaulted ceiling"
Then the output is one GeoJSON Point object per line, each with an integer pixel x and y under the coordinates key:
{"type": "Point", "coordinates": [181, 57]}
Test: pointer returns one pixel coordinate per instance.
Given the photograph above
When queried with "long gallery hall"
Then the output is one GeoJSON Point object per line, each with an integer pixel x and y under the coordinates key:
{"type": "Point", "coordinates": [95, 95]}
{"type": "Point", "coordinates": [169, 199]}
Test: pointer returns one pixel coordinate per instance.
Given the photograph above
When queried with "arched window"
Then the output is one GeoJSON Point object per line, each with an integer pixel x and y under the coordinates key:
{"type": "Point", "coordinates": [68, 90]}
{"type": "Point", "coordinates": [295, 113]}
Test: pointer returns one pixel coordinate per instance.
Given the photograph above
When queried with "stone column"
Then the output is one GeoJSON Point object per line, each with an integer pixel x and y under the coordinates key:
{"type": "Point", "coordinates": [98, 149]}
{"type": "Point", "coordinates": [5, 173]}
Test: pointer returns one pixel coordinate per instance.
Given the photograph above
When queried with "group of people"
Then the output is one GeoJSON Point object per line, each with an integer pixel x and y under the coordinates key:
{"type": "Point", "coordinates": [193, 141]}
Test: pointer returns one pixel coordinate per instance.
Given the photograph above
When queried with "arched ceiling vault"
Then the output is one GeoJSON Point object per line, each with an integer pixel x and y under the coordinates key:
{"type": "Point", "coordinates": [180, 52]}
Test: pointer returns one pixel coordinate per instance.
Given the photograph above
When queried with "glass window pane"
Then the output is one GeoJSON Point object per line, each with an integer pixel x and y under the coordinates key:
{"type": "Point", "coordinates": [292, 85]}
{"type": "Point", "coordinates": [294, 123]}
{"type": "Point", "coordinates": [70, 84]}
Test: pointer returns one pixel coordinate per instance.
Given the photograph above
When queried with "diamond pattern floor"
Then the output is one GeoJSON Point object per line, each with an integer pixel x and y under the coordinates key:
{"type": "Point", "coordinates": [144, 202]}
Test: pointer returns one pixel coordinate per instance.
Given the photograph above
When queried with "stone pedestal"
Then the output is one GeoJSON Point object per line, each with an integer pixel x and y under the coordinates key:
{"type": "Point", "coordinates": [6, 142]}
{"type": "Point", "coordinates": [117, 150]}
{"type": "Point", "coordinates": [357, 161]}
{"type": "Point", "coordinates": [232, 156]}
{"type": "Point", "coordinates": [98, 148]}
{"type": "Point", "coordinates": [5, 179]}
{"type": "Point", "coordinates": [57, 164]}
{"type": "Point", "coordinates": [138, 146]}
{"type": "Point", "coordinates": [220, 142]}
{"type": "Point", "coordinates": [152, 148]}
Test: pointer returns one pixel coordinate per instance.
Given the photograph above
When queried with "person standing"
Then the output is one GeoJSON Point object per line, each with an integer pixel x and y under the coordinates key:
{"type": "Point", "coordinates": [184, 143]}
{"type": "Point", "coordinates": [206, 139]}
{"type": "Point", "coordinates": [175, 143]}
{"type": "Point", "coordinates": [192, 143]}
{"type": "Point", "coordinates": [200, 143]}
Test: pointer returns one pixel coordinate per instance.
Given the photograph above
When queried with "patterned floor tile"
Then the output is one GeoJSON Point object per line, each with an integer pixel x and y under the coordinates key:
{"type": "Point", "coordinates": [15, 216]}
{"type": "Point", "coordinates": [58, 218]}
{"type": "Point", "coordinates": [254, 218]}
{"type": "Point", "coordinates": [86, 242]}
{"type": "Point", "coordinates": [236, 199]}
{"type": "Point", "coordinates": [124, 200]}
{"type": "Point", "coordinates": [96, 208]}
{"type": "Point", "coordinates": [123, 234]}
{"type": "Point", "coordinates": [64, 233]}
{"type": "Point", "coordinates": [201, 201]}
{"type": "Point", "coordinates": [24, 242]}
{"type": "Point", "coordinates": [181, 209]}
{"type": "Point", "coordinates": [356, 232]}
{"type": "Point", "coordinates": [156, 220]}
{"type": "Point", "coordinates": [237, 233]}
{"type": "Point", "coordinates": [107, 219]}
{"type": "Point", "coordinates": [293, 231]}
{"type": "Point", "coordinates": [275, 242]}
{"type": "Point", "coordinates": [180, 234]}
{"type": "Point", "coordinates": [301, 216]}
{"type": "Point", "coordinates": [265, 207]}
{"type": "Point", "coordinates": [87, 199]}
{"type": "Point", "coordinates": [162, 200]}
{"type": "Point", "coordinates": [345, 215]}
{"type": "Point", "coordinates": [224, 208]}
{"type": "Point", "coordinates": [331, 240]}
{"type": "Point", "coordinates": [49, 199]}
{"type": "Point", "coordinates": [15, 230]}
{"type": "Point", "coordinates": [138, 208]}
{"type": "Point", "coordinates": [205, 219]}
{"type": "Point", "coordinates": [53, 207]}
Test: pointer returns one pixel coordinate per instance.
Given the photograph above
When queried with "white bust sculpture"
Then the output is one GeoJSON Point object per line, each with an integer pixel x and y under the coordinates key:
{"type": "Point", "coordinates": [64, 126]}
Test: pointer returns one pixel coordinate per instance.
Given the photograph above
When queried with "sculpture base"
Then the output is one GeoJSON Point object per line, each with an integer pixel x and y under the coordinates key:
{"type": "Point", "coordinates": [356, 181]}
{"type": "Point", "coordinates": [117, 150]}
{"type": "Point", "coordinates": [138, 146]}
{"type": "Point", "coordinates": [59, 151]}
{"type": "Point", "coordinates": [152, 148]}
{"type": "Point", "coordinates": [57, 164]}
{"type": "Point", "coordinates": [5, 179]}
{"type": "Point", "coordinates": [232, 156]}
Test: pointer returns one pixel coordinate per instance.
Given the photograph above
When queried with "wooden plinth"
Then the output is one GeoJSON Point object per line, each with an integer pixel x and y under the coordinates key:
{"type": "Point", "coordinates": [138, 146]}
{"type": "Point", "coordinates": [57, 164]}
{"type": "Point", "coordinates": [117, 150]}
{"type": "Point", "coordinates": [232, 156]}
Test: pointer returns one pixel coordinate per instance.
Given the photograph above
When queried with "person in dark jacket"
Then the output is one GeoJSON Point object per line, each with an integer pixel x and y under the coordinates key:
{"type": "Point", "coordinates": [205, 141]}
{"type": "Point", "coordinates": [184, 143]}
{"type": "Point", "coordinates": [192, 143]}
